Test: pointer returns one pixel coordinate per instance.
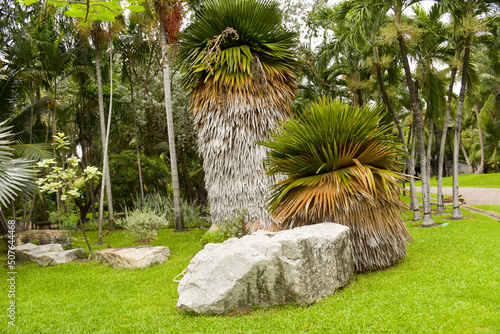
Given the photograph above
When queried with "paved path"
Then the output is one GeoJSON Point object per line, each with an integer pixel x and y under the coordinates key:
{"type": "Point", "coordinates": [474, 196]}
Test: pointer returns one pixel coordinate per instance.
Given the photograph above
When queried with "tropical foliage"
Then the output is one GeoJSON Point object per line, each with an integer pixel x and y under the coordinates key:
{"type": "Point", "coordinates": [240, 76]}
{"type": "Point", "coordinates": [341, 166]}
{"type": "Point", "coordinates": [17, 176]}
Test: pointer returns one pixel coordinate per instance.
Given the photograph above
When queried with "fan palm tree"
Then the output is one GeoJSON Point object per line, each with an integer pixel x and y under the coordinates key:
{"type": "Point", "coordinates": [238, 66]}
{"type": "Point", "coordinates": [340, 166]}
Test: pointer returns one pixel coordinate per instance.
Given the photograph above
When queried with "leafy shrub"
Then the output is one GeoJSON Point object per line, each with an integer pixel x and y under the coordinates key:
{"type": "Point", "coordinates": [143, 224]}
{"type": "Point", "coordinates": [94, 225]}
{"type": "Point", "coordinates": [229, 228]}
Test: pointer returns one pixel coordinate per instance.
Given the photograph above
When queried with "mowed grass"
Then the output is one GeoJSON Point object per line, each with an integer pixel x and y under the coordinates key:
{"type": "Point", "coordinates": [491, 180]}
{"type": "Point", "coordinates": [494, 208]}
{"type": "Point", "coordinates": [449, 283]}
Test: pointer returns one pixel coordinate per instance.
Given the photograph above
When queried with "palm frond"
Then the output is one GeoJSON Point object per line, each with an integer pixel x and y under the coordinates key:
{"type": "Point", "coordinates": [34, 152]}
{"type": "Point", "coordinates": [260, 35]}
{"type": "Point", "coordinates": [17, 176]}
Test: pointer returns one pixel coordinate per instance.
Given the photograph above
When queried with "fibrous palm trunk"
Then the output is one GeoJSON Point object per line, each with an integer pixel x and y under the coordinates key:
{"type": "Point", "coordinates": [229, 124]}
{"type": "Point", "coordinates": [179, 222]}
{"type": "Point", "coordinates": [234, 171]}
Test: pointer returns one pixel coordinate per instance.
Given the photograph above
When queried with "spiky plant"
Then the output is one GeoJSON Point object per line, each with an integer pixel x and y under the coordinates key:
{"type": "Point", "coordinates": [237, 61]}
{"type": "Point", "coordinates": [340, 166]}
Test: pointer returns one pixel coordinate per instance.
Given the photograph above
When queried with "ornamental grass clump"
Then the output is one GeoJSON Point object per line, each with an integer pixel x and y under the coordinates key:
{"type": "Point", "coordinates": [340, 166]}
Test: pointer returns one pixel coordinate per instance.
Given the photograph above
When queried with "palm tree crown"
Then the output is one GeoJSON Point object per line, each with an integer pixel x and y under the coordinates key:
{"type": "Point", "coordinates": [258, 50]}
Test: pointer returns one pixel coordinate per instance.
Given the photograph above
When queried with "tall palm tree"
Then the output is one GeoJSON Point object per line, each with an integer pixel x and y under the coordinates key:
{"type": "Point", "coordinates": [169, 15]}
{"type": "Point", "coordinates": [398, 7]}
{"type": "Point", "coordinates": [240, 76]}
{"type": "Point", "coordinates": [466, 17]}
{"type": "Point", "coordinates": [340, 166]}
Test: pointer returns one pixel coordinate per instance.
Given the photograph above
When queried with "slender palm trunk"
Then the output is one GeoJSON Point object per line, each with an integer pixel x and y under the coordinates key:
{"type": "Point", "coordinates": [411, 170]}
{"type": "Point", "coordinates": [397, 121]}
{"type": "Point", "coordinates": [102, 123]}
{"type": "Point", "coordinates": [480, 169]}
{"type": "Point", "coordinates": [179, 222]}
{"type": "Point", "coordinates": [106, 184]}
{"type": "Point", "coordinates": [429, 148]}
{"type": "Point", "coordinates": [440, 203]}
{"type": "Point", "coordinates": [136, 134]}
{"type": "Point", "coordinates": [109, 195]}
{"type": "Point", "coordinates": [390, 106]}
{"type": "Point", "coordinates": [428, 221]}
{"type": "Point", "coordinates": [466, 156]}
{"type": "Point", "coordinates": [457, 214]}
{"type": "Point", "coordinates": [54, 131]}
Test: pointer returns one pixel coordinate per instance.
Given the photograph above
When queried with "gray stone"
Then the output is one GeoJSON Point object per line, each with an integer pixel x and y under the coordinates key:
{"type": "Point", "coordinates": [301, 265]}
{"type": "Point", "coordinates": [133, 257]}
{"type": "Point", "coordinates": [44, 237]}
{"type": "Point", "coordinates": [55, 258]}
{"type": "Point", "coordinates": [51, 254]}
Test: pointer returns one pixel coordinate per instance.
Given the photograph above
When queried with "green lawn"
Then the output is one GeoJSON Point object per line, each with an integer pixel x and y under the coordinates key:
{"type": "Point", "coordinates": [491, 180]}
{"type": "Point", "coordinates": [449, 283]}
{"type": "Point", "coordinates": [495, 208]}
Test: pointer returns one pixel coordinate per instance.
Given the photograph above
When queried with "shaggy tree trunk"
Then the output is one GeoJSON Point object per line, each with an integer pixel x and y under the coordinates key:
{"type": "Point", "coordinates": [428, 221]}
{"type": "Point", "coordinates": [480, 169]}
{"type": "Point", "coordinates": [229, 124]}
{"type": "Point", "coordinates": [442, 147]}
{"type": "Point", "coordinates": [457, 214]}
{"type": "Point", "coordinates": [179, 222]}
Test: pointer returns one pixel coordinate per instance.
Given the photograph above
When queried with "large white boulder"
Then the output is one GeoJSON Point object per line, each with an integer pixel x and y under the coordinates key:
{"type": "Point", "coordinates": [133, 257]}
{"type": "Point", "coordinates": [301, 265]}
{"type": "Point", "coordinates": [50, 254]}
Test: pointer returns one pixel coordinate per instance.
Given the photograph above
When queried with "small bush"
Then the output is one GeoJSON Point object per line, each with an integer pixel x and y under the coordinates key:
{"type": "Point", "coordinates": [94, 225]}
{"type": "Point", "coordinates": [215, 237]}
{"type": "Point", "coordinates": [143, 224]}
{"type": "Point", "coordinates": [229, 228]}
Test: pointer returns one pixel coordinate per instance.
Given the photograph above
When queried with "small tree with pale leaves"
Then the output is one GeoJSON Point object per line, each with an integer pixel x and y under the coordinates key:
{"type": "Point", "coordinates": [64, 177]}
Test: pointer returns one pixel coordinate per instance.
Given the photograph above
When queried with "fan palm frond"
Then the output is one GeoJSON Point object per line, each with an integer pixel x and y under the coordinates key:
{"type": "Point", "coordinates": [340, 166]}
{"type": "Point", "coordinates": [17, 176]}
